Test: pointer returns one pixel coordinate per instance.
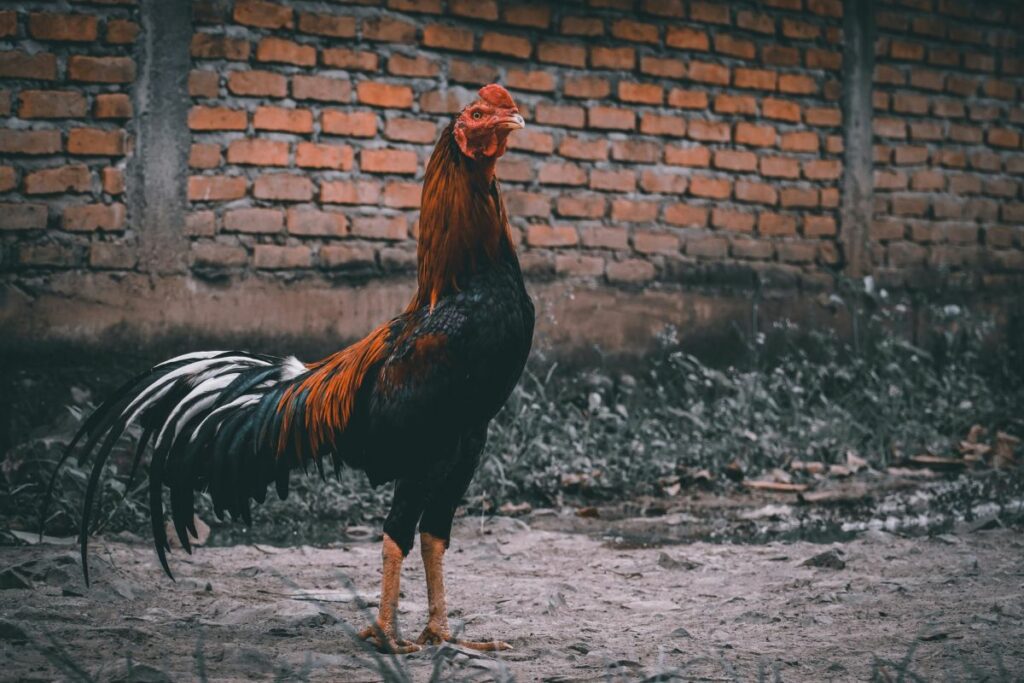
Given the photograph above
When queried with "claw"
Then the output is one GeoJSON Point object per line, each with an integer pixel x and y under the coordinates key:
{"type": "Point", "coordinates": [387, 643]}
{"type": "Point", "coordinates": [433, 636]}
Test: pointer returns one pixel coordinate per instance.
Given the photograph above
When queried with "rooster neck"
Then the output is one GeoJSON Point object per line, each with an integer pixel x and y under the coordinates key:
{"type": "Point", "coordinates": [463, 228]}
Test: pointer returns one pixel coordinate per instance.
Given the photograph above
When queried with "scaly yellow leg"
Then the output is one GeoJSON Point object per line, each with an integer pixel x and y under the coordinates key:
{"type": "Point", "coordinates": [384, 633]}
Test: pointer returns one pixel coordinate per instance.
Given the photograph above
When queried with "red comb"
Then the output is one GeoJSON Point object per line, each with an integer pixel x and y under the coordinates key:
{"type": "Point", "coordinates": [496, 95]}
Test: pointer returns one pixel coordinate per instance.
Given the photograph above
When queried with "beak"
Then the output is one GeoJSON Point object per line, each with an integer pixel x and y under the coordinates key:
{"type": "Point", "coordinates": [512, 122]}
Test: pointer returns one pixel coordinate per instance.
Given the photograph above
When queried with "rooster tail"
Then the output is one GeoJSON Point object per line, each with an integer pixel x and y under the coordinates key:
{"type": "Point", "coordinates": [211, 421]}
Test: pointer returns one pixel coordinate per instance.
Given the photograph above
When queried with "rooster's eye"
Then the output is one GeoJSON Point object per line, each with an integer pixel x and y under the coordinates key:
{"type": "Point", "coordinates": [477, 115]}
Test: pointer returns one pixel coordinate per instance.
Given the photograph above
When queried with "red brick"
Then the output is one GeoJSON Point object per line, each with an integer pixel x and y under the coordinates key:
{"type": "Point", "coordinates": [799, 197]}
{"type": "Point", "coordinates": [380, 227]}
{"type": "Point", "coordinates": [638, 151]}
{"type": "Point", "coordinates": [576, 265]}
{"type": "Point", "coordinates": [314, 155]}
{"type": "Point", "coordinates": [203, 83]}
{"type": "Point", "coordinates": [113, 106]}
{"type": "Point", "coordinates": [273, 257]}
{"type": "Point", "coordinates": [79, 28]}
{"type": "Point", "coordinates": [532, 141]}
{"type": "Point", "coordinates": [580, 205]}
{"type": "Point", "coordinates": [283, 187]}
{"type": "Point", "coordinates": [780, 55]}
{"type": "Point", "coordinates": [532, 81]}
{"type": "Point", "coordinates": [350, 192]}
{"type": "Point", "coordinates": [734, 160]}
{"type": "Point", "coordinates": [258, 152]}
{"type": "Point", "coordinates": [210, 46]}
{"type": "Point", "coordinates": [528, 204]}
{"type": "Point", "coordinates": [611, 118]}
{"type": "Point", "coordinates": [647, 242]}
{"type": "Point", "coordinates": [111, 256]}
{"type": "Point", "coordinates": [582, 26]}
{"type": "Point", "coordinates": [8, 178]}
{"type": "Point", "coordinates": [586, 87]}
{"type": "Point", "coordinates": [17, 64]}
{"type": "Point", "coordinates": [461, 71]}
{"type": "Point", "coordinates": [642, 93]}
{"type": "Point", "coordinates": [331, 25]}
{"type": "Point", "coordinates": [279, 50]}
{"type": "Point", "coordinates": [928, 181]}
{"type": "Point", "coordinates": [101, 69]}
{"type": "Point", "coordinates": [559, 115]}
{"type": "Point", "coordinates": [612, 57]}
{"type": "Point", "coordinates": [819, 226]}
{"type": "Point", "coordinates": [734, 47]}
{"type": "Point", "coordinates": [389, 30]}
{"type": "Point", "coordinates": [775, 224]}
{"type": "Point", "coordinates": [566, 54]}
{"type": "Point", "coordinates": [686, 38]}
{"type": "Point", "coordinates": [613, 180]}
{"type": "Point", "coordinates": [799, 141]}
{"type": "Point", "coordinates": [707, 72]}
{"type": "Point", "coordinates": [29, 141]}
{"type": "Point", "coordinates": [755, 79]}
{"type": "Point", "coordinates": [216, 118]}
{"type": "Point", "coordinates": [96, 142]}
{"type": "Point", "coordinates": [660, 124]}
{"type": "Point", "coordinates": [23, 216]}
{"type": "Point", "coordinates": [758, 23]}
{"type": "Point", "coordinates": [579, 148]}
{"type": "Point", "coordinates": [283, 119]}
{"type": "Point", "coordinates": [709, 131]}
{"type": "Point", "coordinates": [707, 246]}
{"type": "Point", "coordinates": [384, 95]}
{"type": "Point", "coordinates": [635, 31]}
{"type": "Point", "coordinates": [441, 102]}
{"type": "Point", "coordinates": [425, 6]}
{"type": "Point", "coordinates": [257, 83]}
{"type": "Point", "coordinates": [780, 167]}
{"type": "Point", "coordinates": [388, 161]}
{"type": "Point", "coordinates": [410, 130]}
{"type": "Point", "coordinates": [486, 10]}
{"type": "Point", "coordinates": [686, 216]}
{"type": "Point", "coordinates": [663, 67]}
{"type": "Point", "coordinates": [665, 8]}
{"type": "Point", "coordinates": [602, 237]}
{"type": "Point", "coordinates": [504, 44]}
{"type": "Point", "coordinates": [687, 99]}
{"type": "Point", "coordinates": [204, 156]}
{"type": "Point", "coordinates": [202, 224]}
{"type": "Point", "coordinates": [698, 156]}
{"type": "Point", "coordinates": [402, 195]}
{"type": "Point", "coordinates": [50, 254]}
{"type": "Point", "coordinates": [263, 14]}
{"type": "Point", "coordinates": [533, 16]}
{"type": "Point", "coordinates": [712, 188]}
{"type": "Point", "coordinates": [51, 104]}
{"type": "Point", "coordinates": [823, 116]}
{"type": "Point", "coordinates": [92, 217]}
{"type": "Point", "coordinates": [8, 23]}
{"type": "Point", "coordinates": [781, 110]}
{"type": "Point", "coordinates": [214, 255]}
{"type": "Point", "coordinates": [215, 188]}
{"type": "Point", "coordinates": [309, 222]}
{"type": "Point", "coordinates": [417, 67]}
{"type": "Point", "coordinates": [735, 104]}
{"type": "Point", "coordinates": [1003, 137]}
{"type": "Point", "coordinates": [661, 182]}
{"type": "Point", "coordinates": [925, 130]}
{"type": "Point", "coordinates": [629, 271]}
{"type": "Point", "coordinates": [709, 12]}
{"type": "Point", "coordinates": [822, 169]}
{"type": "Point", "coordinates": [752, 249]}
{"type": "Point", "coordinates": [756, 193]}
{"type": "Point", "coordinates": [448, 38]}
{"type": "Point", "coordinates": [73, 178]}
{"type": "Point", "coordinates": [352, 60]}
{"type": "Point", "coordinates": [890, 128]}
{"type": "Point", "coordinates": [538, 235]}
{"type": "Point", "coordinates": [321, 88]}
{"type": "Point", "coordinates": [360, 124]}
{"type": "Point", "coordinates": [266, 221]}
{"type": "Point", "coordinates": [797, 84]}
{"type": "Point", "coordinates": [736, 221]}
{"type": "Point", "coordinates": [515, 169]}
{"type": "Point", "coordinates": [122, 32]}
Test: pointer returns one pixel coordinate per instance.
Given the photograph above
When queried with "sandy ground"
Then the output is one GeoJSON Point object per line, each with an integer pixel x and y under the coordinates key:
{"type": "Point", "coordinates": [576, 605]}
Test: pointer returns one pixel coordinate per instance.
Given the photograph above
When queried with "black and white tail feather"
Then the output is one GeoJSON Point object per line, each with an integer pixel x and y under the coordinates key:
{"type": "Point", "coordinates": [212, 420]}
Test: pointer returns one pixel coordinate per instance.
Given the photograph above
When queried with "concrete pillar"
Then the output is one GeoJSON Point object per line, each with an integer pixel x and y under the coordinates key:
{"type": "Point", "coordinates": [159, 168]}
{"type": "Point", "coordinates": [858, 181]}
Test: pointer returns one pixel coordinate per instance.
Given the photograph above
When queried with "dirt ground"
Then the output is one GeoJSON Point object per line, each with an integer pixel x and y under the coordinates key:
{"type": "Point", "coordinates": [620, 596]}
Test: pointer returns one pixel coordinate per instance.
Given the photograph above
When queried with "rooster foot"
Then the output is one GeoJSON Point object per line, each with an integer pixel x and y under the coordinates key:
{"type": "Point", "coordinates": [435, 635]}
{"type": "Point", "coordinates": [386, 641]}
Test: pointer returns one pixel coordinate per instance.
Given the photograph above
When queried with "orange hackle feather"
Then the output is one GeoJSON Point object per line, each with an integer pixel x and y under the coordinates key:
{"type": "Point", "coordinates": [463, 225]}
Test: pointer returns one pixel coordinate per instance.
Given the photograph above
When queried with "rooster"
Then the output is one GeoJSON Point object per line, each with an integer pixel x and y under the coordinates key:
{"type": "Point", "coordinates": [409, 404]}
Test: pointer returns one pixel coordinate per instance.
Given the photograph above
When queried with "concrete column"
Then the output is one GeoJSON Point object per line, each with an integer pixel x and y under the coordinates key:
{"type": "Point", "coordinates": [858, 181]}
{"type": "Point", "coordinates": [159, 169]}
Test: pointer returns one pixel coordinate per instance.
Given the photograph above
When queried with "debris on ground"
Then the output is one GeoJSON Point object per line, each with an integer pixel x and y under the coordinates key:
{"type": "Point", "coordinates": [830, 559]}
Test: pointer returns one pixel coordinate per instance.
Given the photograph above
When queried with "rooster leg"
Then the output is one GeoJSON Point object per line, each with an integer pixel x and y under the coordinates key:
{"type": "Point", "coordinates": [437, 630]}
{"type": "Point", "coordinates": [435, 534]}
{"type": "Point", "coordinates": [384, 632]}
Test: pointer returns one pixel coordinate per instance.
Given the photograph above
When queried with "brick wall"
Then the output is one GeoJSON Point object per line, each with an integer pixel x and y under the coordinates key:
{"type": "Point", "coordinates": [66, 77]}
{"type": "Point", "coordinates": [948, 160]}
{"type": "Point", "coordinates": [670, 143]}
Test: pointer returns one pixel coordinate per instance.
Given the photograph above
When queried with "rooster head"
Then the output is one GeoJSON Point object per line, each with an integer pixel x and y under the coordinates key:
{"type": "Point", "coordinates": [482, 128]}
